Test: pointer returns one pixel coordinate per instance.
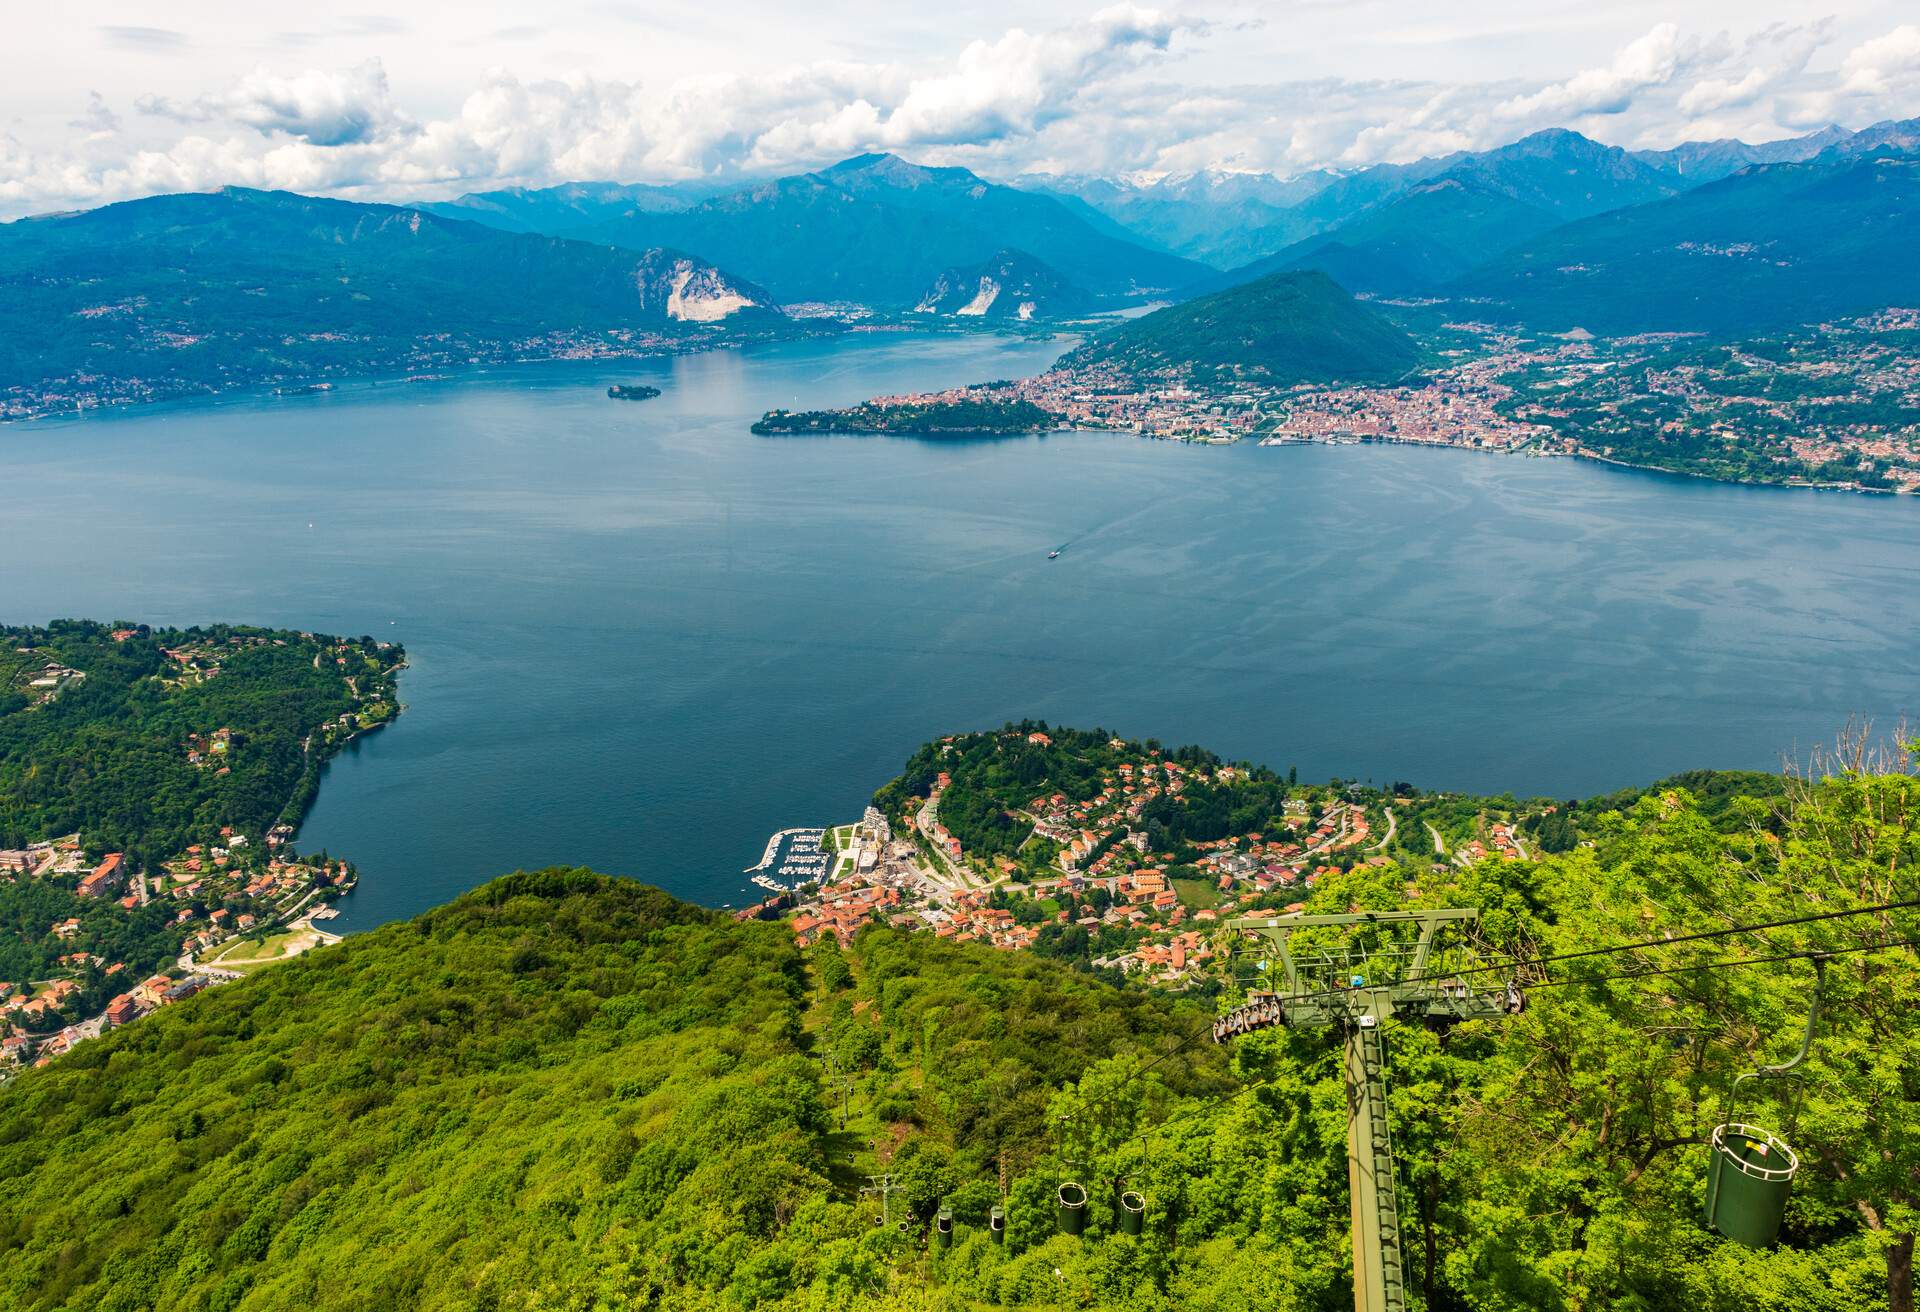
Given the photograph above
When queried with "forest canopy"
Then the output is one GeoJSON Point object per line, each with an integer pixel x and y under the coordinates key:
{"type": "Point", "coordinates": [568, 1090]}
{"type": "Point", "coordinates": [110, 754]}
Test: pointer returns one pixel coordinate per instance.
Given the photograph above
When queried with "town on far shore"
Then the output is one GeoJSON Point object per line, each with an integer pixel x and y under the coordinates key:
{"type": "Point", "coordinates": [1832, 405]}
{"type": "Point", "coordinates": [1123, 857]}
{"type": "Point", "coordinates": [111, 922]}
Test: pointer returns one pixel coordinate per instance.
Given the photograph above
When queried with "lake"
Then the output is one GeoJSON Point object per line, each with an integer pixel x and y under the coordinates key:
{"type": "Point", "coordinates": [642, 639]}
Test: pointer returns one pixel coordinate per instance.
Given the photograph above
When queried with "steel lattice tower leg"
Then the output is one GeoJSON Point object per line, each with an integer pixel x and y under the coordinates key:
{"type": "Point", "coordinates": [1379, 1283]}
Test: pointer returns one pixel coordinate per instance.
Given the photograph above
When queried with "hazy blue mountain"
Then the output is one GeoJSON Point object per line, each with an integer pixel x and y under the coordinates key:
{"type": "Point", "coordinates": [1221, 218]}
{"type": "Point", "coordinates": [1696, 163]}
{"type": "Point", "coordinates": [1095, 218]}
{"type": "Point", "coordinates": [878, 230]}
{"type": "Point", "coordinates": [1901, 135]}
{"type": "Point", "coordinates": [1772, 245]}
{"type": "Point", "coordinates": [1426, 230]}
{"type": "Point", "coordinates": [1010, 286]}
{"type": "Point", "coordinates": [553, 210]}
{"type": "Point", "coordinates": [235, 285]}
{"type": "Point", "coordinates": [1430, 232]}
{"type": "Point", "coordinates": [1700, 162]}
{"type": "Point", "coordinates": [1297, 326]}
{"type": "Point", "coordinates": [1347, 196]}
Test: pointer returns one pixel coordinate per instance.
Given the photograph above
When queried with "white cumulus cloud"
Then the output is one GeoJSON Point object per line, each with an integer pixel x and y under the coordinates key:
{"type": "Point", "coordinates": [326, 108]}
{"type": "Point", "coordinates": [1101, 93]}
{"type": "Point", "coordinates": [1651, 61]}
{"type": "Point", "coordinates": [1884, 63]}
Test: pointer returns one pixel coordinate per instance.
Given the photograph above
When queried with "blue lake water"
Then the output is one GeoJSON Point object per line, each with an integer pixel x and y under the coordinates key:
{"type": "Point", "coordinates": [642, 639]}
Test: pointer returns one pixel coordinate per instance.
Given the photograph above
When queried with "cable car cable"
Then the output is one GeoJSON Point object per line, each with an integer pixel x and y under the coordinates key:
{"type": "Point", "coordinates": [1817, 917]}
{"type": "Point", "coordinates": [1612, 950]}
{"type": "Point", "coordinates": [1730, 963]}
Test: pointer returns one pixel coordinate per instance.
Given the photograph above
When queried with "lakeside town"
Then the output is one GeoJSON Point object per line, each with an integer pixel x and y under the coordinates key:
{"type": "Point", "coordinates": [1094, 876]}
{"type": "Point", "coordinates": [1836, 405]}
{"type": "Point", "coordinates": [97, 938]}
{"type": "Point", "coordinates": [232, 918]}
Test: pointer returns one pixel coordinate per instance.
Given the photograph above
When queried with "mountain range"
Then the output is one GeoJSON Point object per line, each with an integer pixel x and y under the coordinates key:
{"type": "Point", "coordinates": [1559, 232]}
{"type": "Point", "coordinates": [1439, 226]}
{"type": "Point", "coordinates": [1231, 219]}
{"type": "Point", "coordinates": [237, 286]}
{"type": "Point", "coordinates": [1768, 247]}
{"type": "Point", "coordinates": [878, 231]}
{"type": "Point", "coordinates": [198, 292]}
{"type": "Point", "coordinates": [1217, 217]}
{"type": "Point", "coordinates": [572, 205]}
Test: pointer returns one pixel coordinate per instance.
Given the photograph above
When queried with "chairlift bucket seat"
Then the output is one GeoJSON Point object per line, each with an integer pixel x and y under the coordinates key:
{"type": "Point", "coordinates": [1748, 1179]}
{"type": "Point", "coordinates": [1070, 1208]}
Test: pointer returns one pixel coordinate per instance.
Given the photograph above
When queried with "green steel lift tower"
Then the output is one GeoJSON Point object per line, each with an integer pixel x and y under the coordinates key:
{"type": "Point", "coordinates": [1340, 990]}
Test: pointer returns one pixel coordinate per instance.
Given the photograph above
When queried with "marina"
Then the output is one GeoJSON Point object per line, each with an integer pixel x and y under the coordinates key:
{"type": "Point", "coordinates": [793, 857]}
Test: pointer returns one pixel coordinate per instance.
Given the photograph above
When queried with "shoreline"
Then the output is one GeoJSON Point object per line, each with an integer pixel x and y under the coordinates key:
{"type": "Point", "coordinates": [303, 387]}
{"type": "Point", "coordinates": [308, 386]}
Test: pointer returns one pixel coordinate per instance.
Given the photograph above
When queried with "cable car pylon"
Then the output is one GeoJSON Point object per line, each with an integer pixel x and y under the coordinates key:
{"type": "Point", "coordinates": [1342, 994]}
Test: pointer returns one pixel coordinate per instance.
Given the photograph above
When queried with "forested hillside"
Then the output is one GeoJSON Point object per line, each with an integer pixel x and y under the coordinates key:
{"type": "Point", "coordinates": [128, 749]}
{"type": "Point", "coordinates": [1285, 328]}
{"type": "Point", "coordinates": [571, 1091]}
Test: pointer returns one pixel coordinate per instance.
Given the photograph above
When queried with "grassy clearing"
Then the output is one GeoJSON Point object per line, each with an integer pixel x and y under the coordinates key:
{"type": "Point", "coordinates": [246, 954]}
{"type": "Point", "coordinates": [1197, 894]}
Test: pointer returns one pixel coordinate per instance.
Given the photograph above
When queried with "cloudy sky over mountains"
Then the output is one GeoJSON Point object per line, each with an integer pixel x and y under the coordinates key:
{"type": "Point", "coordinates": [450, 97]}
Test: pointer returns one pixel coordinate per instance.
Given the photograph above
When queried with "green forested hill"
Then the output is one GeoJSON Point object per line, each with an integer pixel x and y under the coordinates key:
{"type": "Point", "coordinates": [566, 1091]}
{"type": "Point", "coordinates": [1285, 328]}
{"type": "Point", "coordinates": [563, 1090]}
{"type": "Point", "coordinates": [111, 755]}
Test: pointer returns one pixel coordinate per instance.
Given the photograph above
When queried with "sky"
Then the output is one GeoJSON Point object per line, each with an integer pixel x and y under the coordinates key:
{"type": "Point", "coordinates": [117, 99]}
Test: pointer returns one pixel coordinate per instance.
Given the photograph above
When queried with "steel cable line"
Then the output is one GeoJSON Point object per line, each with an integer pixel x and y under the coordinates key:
{"type": "Point", "coordinates": [1730, 963]}
{"type": "Point", "coordinates": [1611, 950]}
{"type": "Point", "coordinates": [1618, 948]}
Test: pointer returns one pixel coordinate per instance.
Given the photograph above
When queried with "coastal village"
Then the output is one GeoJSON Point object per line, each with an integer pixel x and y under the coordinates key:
{"type": "Point", "coordinates": [231, 916]}
{"type": "Point", "coordinates": [206, 914]}
{"type": "Point", "coordinates": [1139, 912]}
{"type": "Point", "coordinates": [1841, 408]}
{"type": "Point", "coordinates": [1458, 404]}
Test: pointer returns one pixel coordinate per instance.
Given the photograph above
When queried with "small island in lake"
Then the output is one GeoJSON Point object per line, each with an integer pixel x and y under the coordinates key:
{"type": "Point", "coordinates": [632, 392]}
{"type": "Point", "coordinates": [969, 417]}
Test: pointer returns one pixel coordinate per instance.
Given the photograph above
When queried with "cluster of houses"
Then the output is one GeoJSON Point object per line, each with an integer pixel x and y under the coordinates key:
{"type": "Point", "coordinates": [1106, 878]}
{"type": "Point", "coordinates": [209, 883]}
{"type": "Point", "coordinates": [1461, 406]}
{"type": "Point", "coordinates": [57, 856]}
{"type": "Point", "coordinates": [1169, 962]}
{"type": "Point", "coordinates": [20, 1046]}
{"type": "Point", "coordinates": [1143, 902]}
{"type": "Point", "coordinates": [210, 749]}
{"type": "Point", "coordinates": [1502, 841]}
